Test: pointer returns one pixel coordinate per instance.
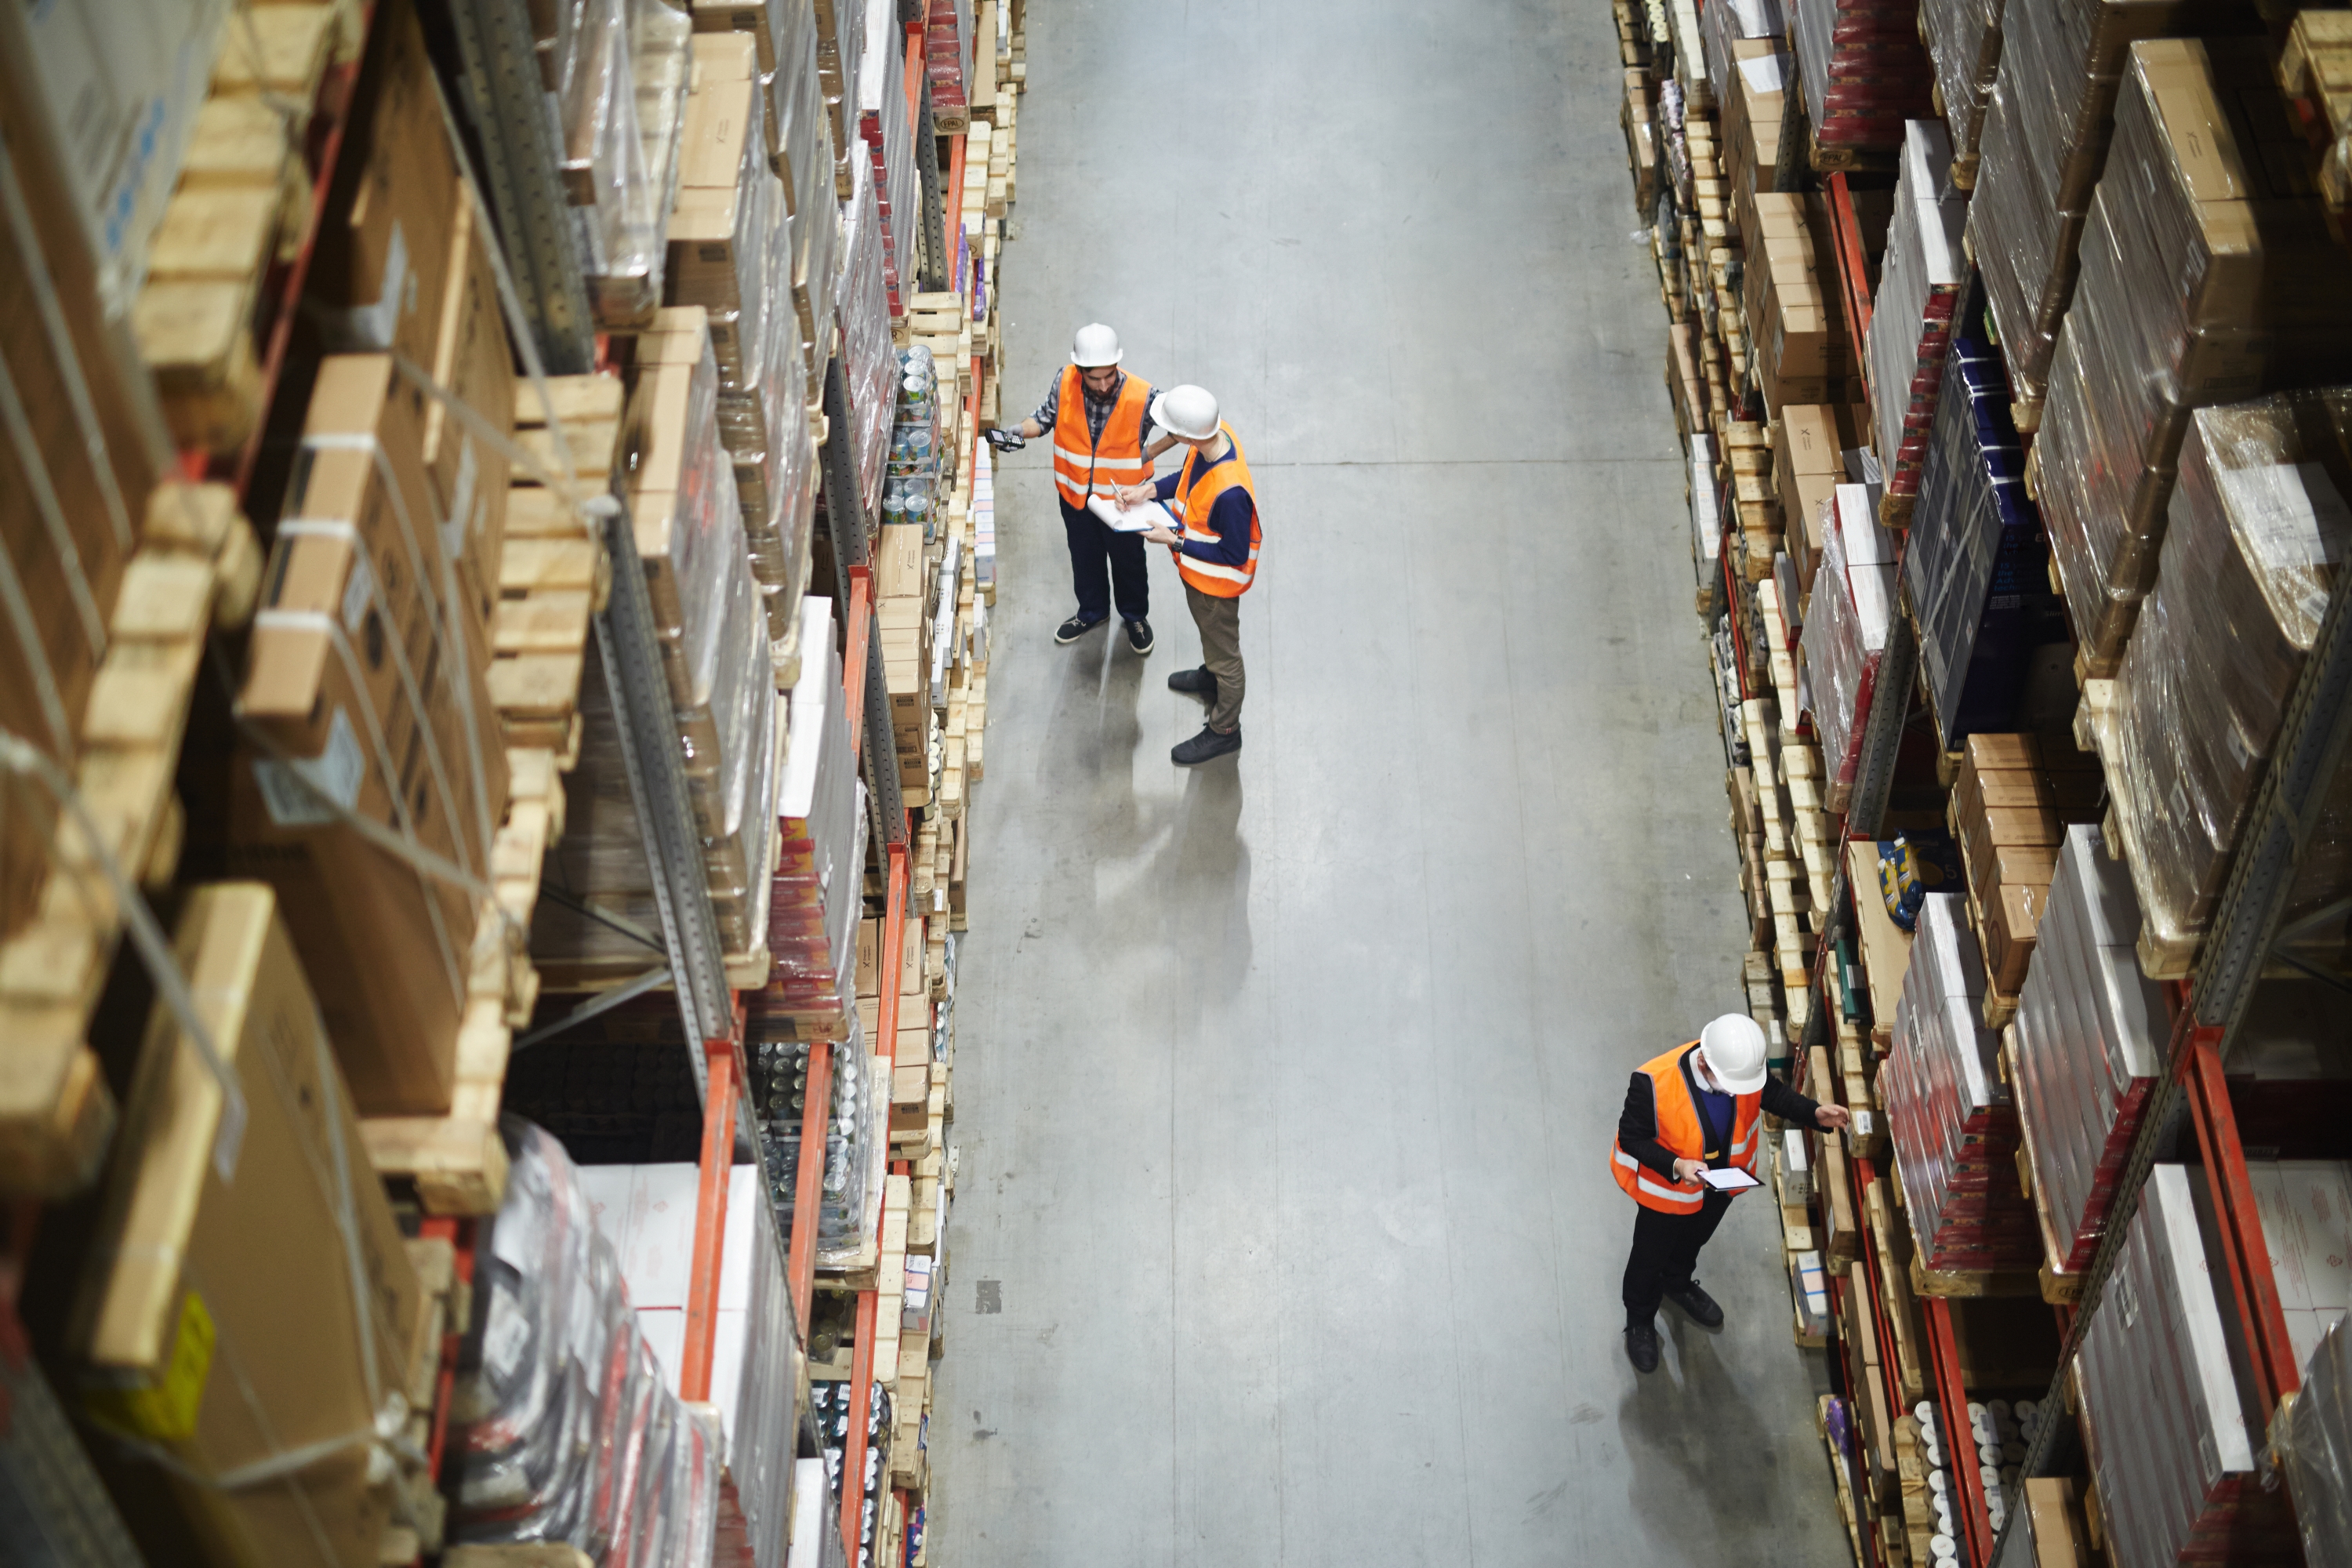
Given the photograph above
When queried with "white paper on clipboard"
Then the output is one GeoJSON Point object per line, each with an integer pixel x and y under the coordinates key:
{"type": "Point", "coordinates": [1135, 519]}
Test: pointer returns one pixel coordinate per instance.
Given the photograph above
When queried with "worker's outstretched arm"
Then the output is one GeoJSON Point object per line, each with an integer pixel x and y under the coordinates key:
{"type": "Point", "coordinates": [1786, 1103]}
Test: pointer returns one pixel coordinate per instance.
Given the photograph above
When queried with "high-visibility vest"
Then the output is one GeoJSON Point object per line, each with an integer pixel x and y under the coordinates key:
{"type": "Point", "coordinates": [1198, 486]}
{"type": "Point", "coordinates": [1683, 1132]}
{"type": "Point", "coordinates": [1083, 466]}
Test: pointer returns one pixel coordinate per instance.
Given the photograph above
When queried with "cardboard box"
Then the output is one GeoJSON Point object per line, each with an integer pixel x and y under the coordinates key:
{"type": "Point", "coordinates": [2012, 919]}
{"type": "Point", "coordinates": [217, 1318]}
{"type": "Point", "coordinates": [469, 472]}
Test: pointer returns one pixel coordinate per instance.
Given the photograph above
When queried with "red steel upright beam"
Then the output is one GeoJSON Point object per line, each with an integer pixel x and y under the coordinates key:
{"type": "Point", "coordinates": [808, 1182]}
{"type": "Point", "coordinates": [2253, 1285]}
{"type": "Point", "coordinates": [709, 1219]}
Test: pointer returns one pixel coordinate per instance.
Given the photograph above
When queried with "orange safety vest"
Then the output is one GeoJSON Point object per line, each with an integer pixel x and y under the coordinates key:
{"type": "Point", "coordinates": [1196, 494]}
{"type": "Point", "coordinates": [1085, 466]}
{"type": "Point", "coordinates": [1684, 1133]}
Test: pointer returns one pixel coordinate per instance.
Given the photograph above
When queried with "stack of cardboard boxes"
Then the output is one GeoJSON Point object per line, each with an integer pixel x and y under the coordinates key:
{"type": "Point", "coordinates": [2011, 806]}
{"type": "Point", "coordinates": [1797, 332]}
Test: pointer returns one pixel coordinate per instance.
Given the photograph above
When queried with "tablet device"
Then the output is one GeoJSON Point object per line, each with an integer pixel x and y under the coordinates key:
{"type": "Point", "coordinates": [1729, 1181]}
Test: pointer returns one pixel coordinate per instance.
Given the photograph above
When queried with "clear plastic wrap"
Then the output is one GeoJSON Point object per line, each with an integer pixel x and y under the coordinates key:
{"type": "Point", "coordinates": [1963, 39]}
{"type": "Point", "coordinates": [913, 492]}
{"type": "Point", "coordinates": [1846, 630]}
{"type": "Point", "coordinates": [1920, 280]}
{"type": "Point", "coordinates": [622, 70]}
{"type": "Point", "coordinates": [2171, 1445]}
{"type": "Point", "coordinates": [818, 888]}
{"type": "Point", "coordinates": [1977, 561]}
{"type": "Point", "coordinates": [868, 360]}
{"type": "Point", "coordinates": [947, 54]}
{"type": "Point", "coordinates": [2197, 287]}
{"type": "Point", "coordinates": [889, 148]}
{"type": "Point", "coordinates": [2259, 524]}
{"type": "Point", "coordinates": [2089, 1037]}
{"type": "Point", "coordinates": [561, 1428]}
{"type": "Point", "coordinates": [1862, 70]}
{"type": "Point", "coordinates": [1954, 1124]}
{"type": "Point", "coordinates": [2315, 1449]}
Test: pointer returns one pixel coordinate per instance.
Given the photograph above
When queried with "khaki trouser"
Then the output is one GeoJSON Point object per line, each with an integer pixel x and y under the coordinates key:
{"type": "Point", "coordinates": [1219, 621]}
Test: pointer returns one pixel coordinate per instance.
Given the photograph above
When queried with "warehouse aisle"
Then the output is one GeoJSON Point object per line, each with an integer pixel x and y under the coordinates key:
{"type": "Point", "coordinates": [1283, 1230]}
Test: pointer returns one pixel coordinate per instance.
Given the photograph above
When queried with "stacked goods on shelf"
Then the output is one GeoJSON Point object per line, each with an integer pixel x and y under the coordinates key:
{"type": "Point", "coordinates": [2207, 276]}
{"type": "Point", "coordinates": [618, 72]}
{"type": "Point", "coordinates": [1953, 1123]}
{"type": "Point", "coordinates": [2314, 70]}
{"type": "Point", "coordinates": [1845, 632]}
{"type": "Point", "coordinates": [831, 1405]}
{"type": "Point", "coordinates": [1919, 286]}
{"type": "Point", "coordinates": [869, 364]}
{"type": "Point", "coordinates": [1755, 67]}
{"type": "Point", "coordinates": [729, 254]}
{"type": "Point", "coordinates": [1963, 39]}
{"type": "Point", "coordinates": [947, 50]}
{"type": "Point", "coordinates": [1812, 453]}
{"type": "Point", "coordinates": [1863, 74]}
{"type": "Point", "coordinates": [756, 1364]}
{"type": "Point", "coordinates": [2011, 801]}
{"type": "Point", "coordinates": [2170, 1444]}
{"type": "Point", "coordinates": [1637, 116]}
{"type": "Point", "coordinates": [1977, 561]}
{"type": "Point", "coordinates": [564, 1426]}
{"type": "Point", "coordinates": [2089, 1037]}
{"type": "Point", "coordinates": [816, 893]}
{"type": "Point", "coordinates": [984, 523]}
{"type": "Point", "coordinates": [2258, 523]}
{"type": "Point", "coordinates": [341, 748]}
{"type": "Point", "coordinates": [890, 146]}
{"type": "Point", "coordinates": [2046, 132]}
{"type": "Point", "coordinates": [2314, 1442]}
{"type": "Point", "coordinates": [2306, 1207]}
{"type": "Point", "coordinates": [262, 1256]}
{"type": "Point", "coordinates": [1803, 352]}
{"type": "Point", "coordinates": [712, 635]}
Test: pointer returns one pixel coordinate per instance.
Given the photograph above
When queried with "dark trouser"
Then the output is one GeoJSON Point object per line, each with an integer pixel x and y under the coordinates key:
{"type": "Point", "coordinates": [1219, 621]}
{"type": "Point", "coordinates": [1665, 1251]}
{"type": "Point", "coordinates": [1101, 556]}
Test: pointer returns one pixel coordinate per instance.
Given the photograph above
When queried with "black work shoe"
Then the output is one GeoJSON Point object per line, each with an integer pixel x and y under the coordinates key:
{"type": "Point", "coordinates": [1073, 629]}
{"type": "Point", "coordinates": [1139, 635]}
{"type": "Point", "coordinates": [1698, 1304]}
{"type": "Point", "coordinates": [1206, 746]}
{"type": "Point", "coordinates": [1642, 1348]}
{"type": "Point", "coordinates": [1197, 683]}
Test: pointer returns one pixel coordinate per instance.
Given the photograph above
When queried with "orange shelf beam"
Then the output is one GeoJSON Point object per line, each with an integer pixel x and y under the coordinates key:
{"type": "Point", "coordinates": [709, 1218]}
{"type": "Point", "coordinates": [861, 1394]}
{"type": "Point", "coordinates": [854, 653]}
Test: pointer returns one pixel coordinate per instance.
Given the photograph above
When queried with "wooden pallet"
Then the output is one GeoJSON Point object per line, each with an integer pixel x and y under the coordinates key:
{"type": "Point", "coordinates": [197, 566]}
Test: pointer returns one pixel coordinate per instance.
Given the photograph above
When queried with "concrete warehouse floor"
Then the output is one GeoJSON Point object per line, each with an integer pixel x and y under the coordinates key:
{"type": "Point", "coordinates": [1284, 1232]}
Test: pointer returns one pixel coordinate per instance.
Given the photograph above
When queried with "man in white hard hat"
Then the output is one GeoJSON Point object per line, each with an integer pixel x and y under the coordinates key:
{"type": "Point", "coordinates": [1216, 554]}
{"type": "Point", "coordinates": [1103, 439]}
{"type": "Point", "coordinates": [1697, 1109]}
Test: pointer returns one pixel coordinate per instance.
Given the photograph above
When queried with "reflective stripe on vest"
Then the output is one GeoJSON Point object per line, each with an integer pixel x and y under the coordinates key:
{"type": "Point", "coordinates": [1683, 1132]}
{"type": "Point", "coordinates": [1196, 496]}
{"type": "Point", "coordinates": [1083, 466]}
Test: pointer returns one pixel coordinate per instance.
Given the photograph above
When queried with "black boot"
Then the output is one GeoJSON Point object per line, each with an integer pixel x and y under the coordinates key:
{"type": "Point", "coordinates": [1197, 683]}
{"type": "Point", "coordinates": [1698, 1304]}
{"type": "Point", "coordinates": [1206, 746]}
{"type": "Point", "coordinates": [1642, 1348]}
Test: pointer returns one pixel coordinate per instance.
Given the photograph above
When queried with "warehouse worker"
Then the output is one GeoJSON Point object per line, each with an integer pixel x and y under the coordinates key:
{"type": "Point", "coordinates": [1104, 438]}
{"type": "Point", "coordinates": [1216, 554]}
{"type": "Point", "coordinates": [1692, 1110]}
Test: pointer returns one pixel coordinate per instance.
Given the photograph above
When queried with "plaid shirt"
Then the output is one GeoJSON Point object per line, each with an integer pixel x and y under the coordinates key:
{"type": "Point", "coordinates": [1097, 406]}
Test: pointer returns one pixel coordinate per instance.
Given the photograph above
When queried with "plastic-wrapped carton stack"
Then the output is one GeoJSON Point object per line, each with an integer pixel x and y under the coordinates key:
{"type": "Point", "coordinates": [2259, 521]}
{"type": "Point", "coordinates": [2089, 1039]}
{"type": "Point", "coordinates": [1978, 560]}
{"type": "Point", "coordinates": [946, 58]}
{"type": "Point", "coordinates": [1955, 1127]}
{"type": "Point", "coordinates": [2046, 130]}
{"type": "Point", "coordinates": [840, 60]}
{"type": "Point", "coordinates": [1920, 282]}
{"type": "Point", "coordinates": [2205, 277]}
{"type": "Point", "coordinates": [869, 363]}
{"type": "Point", "coordinates": [984, 523]}
{"type": "Point", "coordinates": [2010, 803]}
{"type": "Point", "coordinates": [890, 141]}
{"type": "Point", "coordinates": [1845, 632]}
{"type": "Point", "coordinates": [2316, 1444]}
{"type": "Point", "coordinates": [801, 140]}
{"type": "Point", "coordinates": [1963, 39]}
{"type": "Point", "coordinates": [1863, 70]}
{"type": "Point", "coordinates": [621, 67]}
{"type": "Point", "coordinates": [818, 888]}
{"type": "Point", "coordinates": [2170, 1444]}
{"type": "Point", "coordinates": [562, 1424]}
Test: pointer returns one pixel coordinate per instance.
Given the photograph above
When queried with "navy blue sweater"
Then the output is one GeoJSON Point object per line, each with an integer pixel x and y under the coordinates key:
{"type": "Point", "coordinates": [1231, 516]}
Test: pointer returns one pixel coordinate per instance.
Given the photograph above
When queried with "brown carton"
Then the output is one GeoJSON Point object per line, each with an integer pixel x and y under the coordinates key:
{"type": "Point", "coordinates": [472, 363]}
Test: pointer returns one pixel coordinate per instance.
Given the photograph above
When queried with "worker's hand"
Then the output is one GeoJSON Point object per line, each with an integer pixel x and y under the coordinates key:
{"type": "Point", "coordinates": [1134, 495]}
{"type": "Point", "coordinates": [1832, 1118]}
{"type": "Point", "coordinates": [1161, 536]}
{"type": "Point", "coordinates": [1686, 1171]}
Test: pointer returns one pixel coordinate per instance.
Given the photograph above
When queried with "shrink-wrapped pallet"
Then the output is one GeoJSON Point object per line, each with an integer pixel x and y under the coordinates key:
{"type": "Point", "coordinates": [1963, 39]}
{"type": "Point", "coordinates": [2259, 524]}
{"type": "Point", "coordinates": [2172, 1447]}
{"type": "Point", "coordinates": [2314, 1444]}
{"type": "Point", "coordinates": [1863, 70]}
{"type": "Point", "coordinates": [2044, 143]}
{"type": "Point", "coordinates": [947, 57]}
{"type": "Point", "coordinates": [1976, 562]}
{"type": "Point", "coordinates": [622, 68]}
{"type": "Point", "coordinates": [1953, 1123]}
{"type": "Point", "coordinates": [883, 125]}
{"type": "Point", "coordinates": [867, 360]}
{"type": "Point", "coordinates": [2089, 1038]}
{"type": "Point", "coordinates": [1920, 281]}
{"type": "Point", "coordinates": [1845, 632]}
{"type": "Point", "coordinates": [819, 884]}
{"type": "Point", "coordinates": [2205, 279]}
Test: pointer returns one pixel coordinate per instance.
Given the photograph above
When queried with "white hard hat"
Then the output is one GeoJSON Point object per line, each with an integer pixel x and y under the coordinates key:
{"type": "Point", "coordinates": [1735, 1052]}
{"type": "Point", "coordinates": [1188, 411]}
{"type": "Point", "coordinates": [1095, 346]}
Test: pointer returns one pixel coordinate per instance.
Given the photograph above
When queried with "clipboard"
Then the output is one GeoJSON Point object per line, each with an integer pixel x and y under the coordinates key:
{"type": "Point", "coordinates": [1730, 1180]}
{"type": "Point", "coordinates": [1141, 519]}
